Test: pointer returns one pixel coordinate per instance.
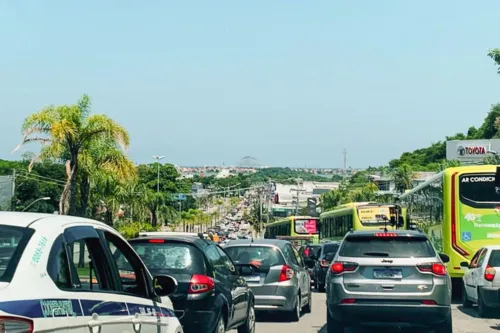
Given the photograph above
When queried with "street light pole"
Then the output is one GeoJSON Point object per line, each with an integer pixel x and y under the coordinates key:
{"type": "Point", "coordinates": [158, 158]}
{"type": "Point", "coordinates": [39, 199]}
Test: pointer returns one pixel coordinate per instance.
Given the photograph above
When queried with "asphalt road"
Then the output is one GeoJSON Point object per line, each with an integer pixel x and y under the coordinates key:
{"type": "Point", "coordinates": [464, 321]}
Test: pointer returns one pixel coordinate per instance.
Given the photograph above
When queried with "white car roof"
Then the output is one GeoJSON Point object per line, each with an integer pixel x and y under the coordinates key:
{"type": "Point", "coordinates": [23, 219]}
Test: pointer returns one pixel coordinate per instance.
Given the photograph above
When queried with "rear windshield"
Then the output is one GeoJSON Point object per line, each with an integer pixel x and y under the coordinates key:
{"type": "Point", "coordinates": [169, 258]}
{"type": "Point", "coordinates": [257, 255]}
{"type": "Point", "coordinates": [494, 259]}
{"type": "Point", "coordinates": [330, 248]}
{"type": "Point", "coordinates": [306, 226]}
{"type": "Point", "coordinates": [397, 247]}
{"type": "Point", "coordinates": [13, 241]}
{"type": "Point", "coordinates": [478, 190]}
{"type": "Point", "coordinates": [311, 250]}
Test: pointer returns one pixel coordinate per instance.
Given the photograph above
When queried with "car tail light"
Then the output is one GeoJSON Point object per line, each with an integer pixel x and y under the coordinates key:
{"type": "Point", "coordinates": [17, 325]}
{"type": "Point", "coordinates": [324, 263]}
{"type": "Point", "coordinates": [489, 273]}
{"type": "Point", "coordinates": [435, 268]}
{"type": "Point", "coordinates": [348, 301]}
{"type": "Point", "coordinates": [200, 284]}
{"type": "Point", "coordinates": [286, 273]}
{"type": "Point", "coordinates": [156, 241]}
{"type": "Point", "coordinates": [386, 234]}
{"type": "Point", "coordinates": [340, 267]}
{"type": "Point", "coordinates": [306, 252]}
{"type": "Point", "coordinates": [429, 302]}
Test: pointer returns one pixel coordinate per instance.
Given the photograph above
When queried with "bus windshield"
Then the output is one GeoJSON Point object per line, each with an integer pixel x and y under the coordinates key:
{"type": "Point", "coordinates": [374, 216]}
{"type": "Point", "coordinates": [478, 190]}
{"type": "Point", "coordinates": [306, 226]}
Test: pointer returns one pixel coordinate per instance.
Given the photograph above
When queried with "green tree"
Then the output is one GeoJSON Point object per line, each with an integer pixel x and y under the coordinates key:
{"type": "Point", "coordinates": [403, 178]}
{"type": "Point", "coordinates": [65, 131]}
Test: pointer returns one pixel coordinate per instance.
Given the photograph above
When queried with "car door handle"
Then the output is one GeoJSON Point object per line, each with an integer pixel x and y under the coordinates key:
{"type": "Point", "coordinates": [95, 324]}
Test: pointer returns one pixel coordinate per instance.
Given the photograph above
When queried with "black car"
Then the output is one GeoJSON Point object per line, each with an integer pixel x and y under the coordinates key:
{"type": "Point", "coordinates": [211, 296]}
{"type": "Point", "coordinates": [307, 251]}
{"type": "Point", "coordinates": [322, 259]}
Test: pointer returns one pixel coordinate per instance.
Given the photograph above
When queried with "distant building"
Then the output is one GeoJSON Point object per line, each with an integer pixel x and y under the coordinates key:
{"type": "Point", "coordinates": [386, 184]}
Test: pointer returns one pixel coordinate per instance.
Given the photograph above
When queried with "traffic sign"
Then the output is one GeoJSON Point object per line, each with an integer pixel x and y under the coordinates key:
{"type": "Point", "coordinates": [180, 197]}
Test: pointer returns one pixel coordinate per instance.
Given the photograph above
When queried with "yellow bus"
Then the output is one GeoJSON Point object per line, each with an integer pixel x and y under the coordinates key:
{"type": "Point", "coordinates": [459, 209]}
{"type": "Point", "coordinates": [298, 229]}
{"type": "Point", "coordinates": [360, 216]}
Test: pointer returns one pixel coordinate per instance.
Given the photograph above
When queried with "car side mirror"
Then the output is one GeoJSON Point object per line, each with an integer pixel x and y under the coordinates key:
{"type": "Point", "coordinates": [497, 177]}
{"type": "Point", "coordinates": [164, 285]}
{"type": "Point", "coordinates": [444, 258]}
{"type": "Point", "coordinates": [464, 264]}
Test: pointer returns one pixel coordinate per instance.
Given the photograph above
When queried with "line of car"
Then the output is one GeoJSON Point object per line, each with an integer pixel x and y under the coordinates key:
{"type": "Point", "coordinates": [70, 274]}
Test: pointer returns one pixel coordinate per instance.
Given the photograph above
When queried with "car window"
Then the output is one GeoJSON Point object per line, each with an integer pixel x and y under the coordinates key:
{"type": "Point", "coordinates": [330, 248]}
{"type": "Point", "coordinates": [394, 247]}
{"type": "Point", "coordinates": [80, 266]}
{"type": "Point", "coordinates": [256, 255]}
{"type": "Point", "coordinates": [297, 257]}
{"type": "Point", "coordinates": [132, 274]}
{"type": "Point", "coordinates": [216, 260]}
{"type": "Point", "coordinates": [480, 260]}
{"type": "Point", "coordinates": [473, 262]}
{"type": "Point", "coordinates": [494, 260]}
{"type": "Point", "coordinates": [170, 258]}
{"type": "Point", "coordinates": [13, 241]}
{"type": "Point", "coordinates": [290, 255]}
{"type": "Point", "coordinates": [227, 261]}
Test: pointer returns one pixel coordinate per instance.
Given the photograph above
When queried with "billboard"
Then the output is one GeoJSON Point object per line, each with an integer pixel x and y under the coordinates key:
{"type": "Point", "coordinates": [471, 151]}
{"type": "Point", "coordinates": [6, 194]}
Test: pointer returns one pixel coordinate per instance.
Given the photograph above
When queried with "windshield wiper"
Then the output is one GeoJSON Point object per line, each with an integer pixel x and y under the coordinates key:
{"type": "Point", "coordinates": [376, 254]}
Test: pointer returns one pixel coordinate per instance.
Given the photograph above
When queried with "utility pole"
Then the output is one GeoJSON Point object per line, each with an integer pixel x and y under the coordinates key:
{"type": "Point", "coordinates": [298, 190]}
{"type": "Point", "coordinates": [158, 158]}
{"type": "Point", "coordinates": [269, 201]}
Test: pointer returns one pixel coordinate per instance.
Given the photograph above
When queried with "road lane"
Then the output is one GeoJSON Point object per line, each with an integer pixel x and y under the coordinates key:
{"type": "Point", "coordinates": [464, 321]}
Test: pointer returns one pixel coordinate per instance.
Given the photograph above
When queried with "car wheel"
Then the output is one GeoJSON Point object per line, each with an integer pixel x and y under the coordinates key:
{"type": "Point", "coordinates": [308, 307]}
{"type": "Point", "coordinates": [482, 310]}
{"type": "Point", "coordinates": [249, 325]}
{"type": "Point", "coordinates": [295, 313]}
{"type": "Point", "coordinates": [465, 299]}
{"type": "Point", "coordinates": [445, 327]}
{"type": "Point", "coordinates": [332, 325]}
{"type": "Point", "coordinates": [221, 326]}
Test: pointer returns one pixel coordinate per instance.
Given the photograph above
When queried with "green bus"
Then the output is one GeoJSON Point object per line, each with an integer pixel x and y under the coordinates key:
{"type": "Point", "coordinates": [297, 229]}
{"type": "Point", "coordinates": [459, 210]}
{"type": "Point", "coordinates": [360, 216]}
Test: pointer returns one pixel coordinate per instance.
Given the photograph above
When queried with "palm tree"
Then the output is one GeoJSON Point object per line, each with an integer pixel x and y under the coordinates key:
{"type": "Point", "coordinates": [403, 178]}
{"type": "Point", "coordinates": [65, 131]}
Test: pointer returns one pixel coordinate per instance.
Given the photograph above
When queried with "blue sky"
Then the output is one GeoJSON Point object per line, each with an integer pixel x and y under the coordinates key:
{"type": "Point", "coordinates": [287, 82]}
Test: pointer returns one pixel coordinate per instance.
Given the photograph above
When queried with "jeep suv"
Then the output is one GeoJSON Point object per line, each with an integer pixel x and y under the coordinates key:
{"type": "Point", "coordinates": [388, 278]}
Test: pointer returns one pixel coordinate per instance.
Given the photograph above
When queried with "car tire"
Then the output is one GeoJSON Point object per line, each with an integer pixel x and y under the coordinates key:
{"type": "Point", "coordinates": [445, 327]}
{"type": "Point", "coordinates": [483, 311]}
{"type": "Point", "coordinates": [221, 325]}
{"type": "Point", "coordinates": [465, 299]}
{"type": "Point", "coordinates": [332, 325]}
{"type": "Point", "coordinates": [295, 313]}
{"type": "Point", "coordinates": [249, 325]}
{"type": "Point", "coordinates": [308, 307]}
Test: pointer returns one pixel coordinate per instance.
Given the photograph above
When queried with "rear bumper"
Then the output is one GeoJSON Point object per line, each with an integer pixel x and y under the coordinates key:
{"type": "Point", "coordinates": [491, 296]}
{"type": "Point", "coordinates": [282, 300]}
{"type": "Point", "coordinates": [191, 321]}
{"type": "Point", "coordinates": [413, 315]}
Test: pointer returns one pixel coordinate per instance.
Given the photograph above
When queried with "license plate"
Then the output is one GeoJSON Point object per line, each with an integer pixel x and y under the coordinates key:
{"type": "Point", "coordinates": [387, 273]}
{"type": "Point", "coordinates": [255, 278]}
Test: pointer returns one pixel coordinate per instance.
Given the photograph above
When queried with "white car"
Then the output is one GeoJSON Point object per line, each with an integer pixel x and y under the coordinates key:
{"type": "Point", "coordinates": [58, 274]}
{"type": "Point", "coordinates": [481, 281]}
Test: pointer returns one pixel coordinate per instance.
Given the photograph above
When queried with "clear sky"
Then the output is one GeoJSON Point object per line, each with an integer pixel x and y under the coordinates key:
{"type": "Point", "coordinates": [287, 82]}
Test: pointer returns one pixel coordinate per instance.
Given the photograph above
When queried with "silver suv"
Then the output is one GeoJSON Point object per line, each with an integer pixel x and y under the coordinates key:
{"type": "Point", "coordinates": [391, 278]}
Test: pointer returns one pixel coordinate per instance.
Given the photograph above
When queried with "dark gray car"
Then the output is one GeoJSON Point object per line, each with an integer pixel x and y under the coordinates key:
{"type": "Point", "coordinates": [394, 278]}
{"type": "Point", "coordinates": [280, 281]}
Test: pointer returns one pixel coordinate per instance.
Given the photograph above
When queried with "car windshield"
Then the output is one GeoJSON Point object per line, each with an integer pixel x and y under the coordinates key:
{"type": "Point", "coordinates": [169, 258]}
{"type": "Point", "coordinates": [393, 247]}
{"type": "Point", "coordinates": [13, 241]}
{"type": "Point", "coordinates": [255, 255]}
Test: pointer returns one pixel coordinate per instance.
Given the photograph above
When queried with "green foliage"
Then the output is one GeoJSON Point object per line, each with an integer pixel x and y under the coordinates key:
{"type": "Point", "coordinates": [284, 175]}
{"type": "Point", "coordinates": [130, 229]}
